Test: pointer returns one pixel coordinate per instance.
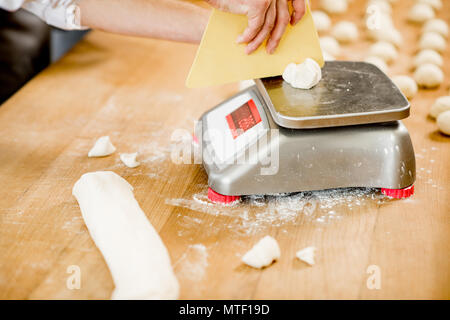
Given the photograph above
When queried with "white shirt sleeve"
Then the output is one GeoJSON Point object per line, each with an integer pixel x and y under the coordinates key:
{"type": "Point", "coordinates": [63, 14]}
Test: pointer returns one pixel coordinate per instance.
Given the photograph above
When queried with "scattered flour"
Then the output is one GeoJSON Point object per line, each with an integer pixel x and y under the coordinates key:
{"type": "Point", "coordinates": [193, 263]}
{"type": "Point", "coordinates": [258, 213]}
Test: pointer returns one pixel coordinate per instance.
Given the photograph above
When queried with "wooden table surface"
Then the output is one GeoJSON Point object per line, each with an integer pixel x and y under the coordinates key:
{"type": "Point", "coordinates": [133, 90]}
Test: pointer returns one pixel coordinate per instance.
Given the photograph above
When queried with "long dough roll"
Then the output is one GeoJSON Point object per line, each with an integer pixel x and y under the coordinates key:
{"type": "Point", "coordinates": [136, 256]}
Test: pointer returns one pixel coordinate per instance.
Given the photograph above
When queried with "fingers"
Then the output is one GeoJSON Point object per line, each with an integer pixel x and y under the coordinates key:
{"type": "Point", "coordinates": [282, 20]}
{"type": "Point", "coordinates": [266, 29]}
{"type": "Point", "coordinates": [299, 11]}
{"type": "Point", "coordinates": [256, 19]}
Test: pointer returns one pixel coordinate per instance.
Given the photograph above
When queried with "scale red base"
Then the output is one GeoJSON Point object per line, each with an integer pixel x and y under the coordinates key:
{"type": "Point", "coordinates": [398, 193]}
{"type": "Point", "coordinates": [393, 193]}
{"type": "Point", "coordinates": [220, 198]}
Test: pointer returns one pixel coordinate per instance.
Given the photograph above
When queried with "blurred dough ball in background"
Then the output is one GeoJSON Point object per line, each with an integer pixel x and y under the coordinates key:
{"type": "Point", "coordinates": [321, 20]}
{"type": "Point", "coordinates": [428, 56]}
{"type": "Point", "coordinates": [334, 6]}
{"type": "Point", "coordinates": [407, 85]}
{"type": "Point", "coordinates": [345, 32]}
{"type": "Point", "coordinates": [443, 122]}
{"type": "Point", "coordinates": [429, 76]}
{"type": "Point", "coordinates": [441, 104]}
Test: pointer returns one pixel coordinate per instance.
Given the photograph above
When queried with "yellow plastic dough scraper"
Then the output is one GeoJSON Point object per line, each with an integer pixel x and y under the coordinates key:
{"type": "Point", "coordinates": [221, 60]}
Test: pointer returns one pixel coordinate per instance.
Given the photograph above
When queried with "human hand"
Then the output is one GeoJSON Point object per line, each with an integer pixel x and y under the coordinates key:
{"type": "Point", "coordinates": [267, 19]}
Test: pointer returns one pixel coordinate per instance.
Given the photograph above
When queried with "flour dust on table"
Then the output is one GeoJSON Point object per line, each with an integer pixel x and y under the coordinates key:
{"type": "Point", "coordinates": [256, 214]}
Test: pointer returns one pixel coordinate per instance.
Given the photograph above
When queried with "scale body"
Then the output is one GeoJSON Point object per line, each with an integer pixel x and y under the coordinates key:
{"type": "Point", "coordinates": [345, 132]}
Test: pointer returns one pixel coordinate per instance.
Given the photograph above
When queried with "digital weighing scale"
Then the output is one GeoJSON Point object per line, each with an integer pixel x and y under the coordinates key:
{"type": "Point", "coordinates": [345, 132]}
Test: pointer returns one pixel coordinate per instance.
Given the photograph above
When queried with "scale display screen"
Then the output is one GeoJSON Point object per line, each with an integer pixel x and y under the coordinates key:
{"type": "Point", "coordinates": [243, 118]}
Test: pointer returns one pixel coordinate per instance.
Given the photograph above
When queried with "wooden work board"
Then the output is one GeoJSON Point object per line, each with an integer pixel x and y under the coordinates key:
{"type": "Point", "coordinates": [133, 90]}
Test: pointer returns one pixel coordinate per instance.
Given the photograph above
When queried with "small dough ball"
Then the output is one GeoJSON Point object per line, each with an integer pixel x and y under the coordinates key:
{"type": "Point", "coordinates": [437, 26]}
{"type": "Point", "coordinates": [421, 12]}
{"type": "Point", "coordinates": [441, 104]}
{"type": "Point", "coordinates": [345, 32]}
{"type": "Point", "coordinates": [307, 255]}
{"type": "Point", "coordinates": [436, 4]}
{"type": "Point", "coordinates": [443, 122]}
{"type": "Point", "coordinates": [429, 76]}
{"type": "Point", "coordinates": [321, 20]}
{"type": "Point", "coordinates": [384, 50]}
{"type": "Point", "coordinates": [263, 253]}
{"type": "Point", "coordinates": [433, 41]}
{"type": "Point", "coordinates": [334, 6]}
{"type": "Point", "coordinates": [378, 62]}
{"type": "Point", "coordinates": [407, 85]}
{"type": "Point", "coordinates": [103, 147]}
{"type": "Point", "coordinates": [428, 56]}
{"type": "Point", "coordinates": [330, 45]}
{"type": "Point", "coordinates": [129, 159]}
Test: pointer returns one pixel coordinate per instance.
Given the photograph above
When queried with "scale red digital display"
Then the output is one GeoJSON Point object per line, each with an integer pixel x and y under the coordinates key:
{"type": "Point", "coordinates": [243, 118]}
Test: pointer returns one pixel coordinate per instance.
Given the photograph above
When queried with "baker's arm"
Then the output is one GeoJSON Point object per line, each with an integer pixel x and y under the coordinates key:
{"type": "Point", "coordinates": [164, 19]}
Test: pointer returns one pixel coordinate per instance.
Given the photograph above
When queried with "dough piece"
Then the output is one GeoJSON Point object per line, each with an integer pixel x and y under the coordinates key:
{"type": "Point", "coordinates": [304, 75]}
{"type": "Point", "coordinates": [378, 62]}
{"type": "Point", "coordinates": [433, 41]}
{"type": "Point", "coordinates": [137, 258]}
{"type": "Point", "coordinates": [330, 45]}
{"type": "Point", "coordinates": [102, 148]}
{"type": "Point", "coordinates": [435, 4]}
{"type": "Point", "coordinates": [441, 104]}
{"type": "Point", "coordinates": [334, 6]}
{"type": "Point", "coordinates": [345, 32]}
{"type": "Point", "coordinates": [429, 76]}
{"type": "Point", "coordinates": [443, 122]}
{"type": "Point", "coordinates": [129, 159]}
{"type": "Point", "coordinates": [263, 253]}
{"type": "Point", "coordinates": [407, 85]}
{"type": "Point", "coordinates": [306, 255]}
{"type": "Point", "coordinates": [421, 12]}
{"type": "Point", "coordinates": [437, 26]}
{"type": "Point", "coordinates": [428, 56]}
{"type": "Point", "coordinates": [384, 50]}
{"type": "Point", "coordinates": [321, 20]}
